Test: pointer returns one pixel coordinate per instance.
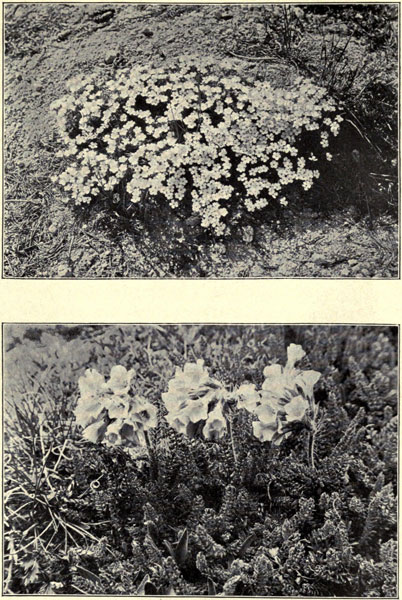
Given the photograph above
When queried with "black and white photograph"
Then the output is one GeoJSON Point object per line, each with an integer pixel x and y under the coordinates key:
{"type": "Point", "coordinates": [200, 460]}
{"type": "Point", "coordinates": [210, 140]}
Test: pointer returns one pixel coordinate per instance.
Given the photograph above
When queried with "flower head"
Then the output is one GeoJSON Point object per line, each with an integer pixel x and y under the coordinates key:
{"type": "Point", "coordinates": [285, 397]}
{"type": "Point", "coordinates": [282, 383]}
{"type": "Point", "coordinates": [193, 397]}
{"type": "Point", "coordinates": [108, 413]}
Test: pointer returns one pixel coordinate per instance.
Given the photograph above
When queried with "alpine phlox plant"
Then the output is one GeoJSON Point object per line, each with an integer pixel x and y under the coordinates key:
{"type": "Point", "coordinates": [201, 460]}
{"type": "Point", "coordinates": [193, 134]}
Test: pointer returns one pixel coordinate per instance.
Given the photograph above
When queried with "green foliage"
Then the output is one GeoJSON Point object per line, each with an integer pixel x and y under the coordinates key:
{"type": "Point", "coordinates": [184, 519]}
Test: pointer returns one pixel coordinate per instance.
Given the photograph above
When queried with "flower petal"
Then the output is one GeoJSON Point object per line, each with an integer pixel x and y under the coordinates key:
{"type": "Point", "coordinates": [131, 434]}
{"type": "Point", "coordinates": [91, 384]}
{"type": "Point", "coordinates": [266, 414]}
{"type": "Point", "coordinates": [178, 421]}
{"type": "Point", "coordinates": [307, 380]}
{"type": "Point", "coordinates": [196, 410]}
{"type": "Point", "coordinates": [295, 353]}
{"type": "Point", "coordinates": [95, 432]}
{"type": "Point", "coordinates": [216, 426]}
{"type": "Point", "coordinates": [143, 412]}
{"type": "Point", "coordinates": [296, 408]}
{"type": "Point", "coordinates": [120, 379]}
{"type": "Point", "coordinates": [87, 410]}
{"type": "Point", "coordinates": [116, 408]}
{"type": "Point", "coordinates": [263, 432]}
{"type": "Point", "coordinates": [273, 371]}
{"type": "Point", "coordinates": [248, 397]}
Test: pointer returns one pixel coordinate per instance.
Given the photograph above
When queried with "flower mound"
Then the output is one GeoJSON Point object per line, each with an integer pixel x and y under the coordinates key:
{"type": "Point", "coordinates": [193, 135]}
{"type": "Point", "coordinates": [107, 412]}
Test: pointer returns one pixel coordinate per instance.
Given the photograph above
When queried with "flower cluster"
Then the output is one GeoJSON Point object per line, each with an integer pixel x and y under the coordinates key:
{"type": "Point", "coordinates": [196, 403]}
{"type": "Point", "coordinates": [195, 399]}
{"type": "Point", "coordinates": [286, 397]}
{"type": "Point", "coordinates": [195, 135]}
{"type": "Point", "coordinates": [108, 413]}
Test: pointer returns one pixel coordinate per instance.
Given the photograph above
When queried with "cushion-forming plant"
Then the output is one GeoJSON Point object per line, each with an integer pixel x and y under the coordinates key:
{"type": "Point", "coordinates": [195, 135]}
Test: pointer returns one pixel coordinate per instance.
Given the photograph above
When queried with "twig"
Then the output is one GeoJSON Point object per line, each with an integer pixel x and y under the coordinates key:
{"type": "Point", "coordinates": [256, 58]}
{"type": "Point", "coordinates": [33, 200]}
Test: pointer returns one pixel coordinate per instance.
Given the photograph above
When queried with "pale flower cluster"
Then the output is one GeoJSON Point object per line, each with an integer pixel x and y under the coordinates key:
{"type": "Point", "coordinates": [196, 399]}
{"type": "Point", "coordinates": [198, 403]}
{"type": "Point", "coordinates": [286, 396]}
{"type": "Point", "coordinates": [109, 414]}
{"type": "Point", "coordinates": [205, 142]}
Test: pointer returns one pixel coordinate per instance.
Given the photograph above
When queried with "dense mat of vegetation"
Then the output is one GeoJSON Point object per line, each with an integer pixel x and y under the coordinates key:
{"type": "Point", "coordinates": [230, 460]}
{"type": "Point", "coordinates": [192, 141]}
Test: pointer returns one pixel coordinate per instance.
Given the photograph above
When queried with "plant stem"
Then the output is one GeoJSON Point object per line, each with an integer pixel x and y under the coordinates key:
{"type": "Point", "coordinates": [313, 432]}
{"type": "Point", "coordinates": [232, 442]}
{"type": "Point", "coordinates": [152, 460]}
{"type": "Point", "coordinates": [312, 447]}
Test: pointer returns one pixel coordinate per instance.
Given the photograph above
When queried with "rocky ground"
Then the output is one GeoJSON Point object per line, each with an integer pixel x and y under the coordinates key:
{"type": "Point", "coordinates": [44, 237]}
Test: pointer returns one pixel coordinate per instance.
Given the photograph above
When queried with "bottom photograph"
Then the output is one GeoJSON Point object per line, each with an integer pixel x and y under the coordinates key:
{"type": "Point", "coordinates": [228, 460]}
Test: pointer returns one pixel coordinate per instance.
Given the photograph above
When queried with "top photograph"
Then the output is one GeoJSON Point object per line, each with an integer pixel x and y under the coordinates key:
{"type": "Point", "coordinates": [215, 141]}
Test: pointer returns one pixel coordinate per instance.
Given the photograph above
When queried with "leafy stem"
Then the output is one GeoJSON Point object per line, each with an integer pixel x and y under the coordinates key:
{"type": "Point", "coordinates": [151, 453]}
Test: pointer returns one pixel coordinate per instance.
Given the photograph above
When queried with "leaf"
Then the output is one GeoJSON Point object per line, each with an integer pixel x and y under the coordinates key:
{"type": "Point", "coordinates": [146, 587]}
{"type": "Point", "coordinates": [88, 574]}
{"type": "Point", "coordinates": [181, 550]}
{"type": "Point", "coordinates": [31, 571]}
{"type": "Point", "coordinates": [211, 588]}
{"type": "Point", "coordinates": [170, 549]}
{"type": "Point", "coordinates": [246, 544]}
{"type": "Point", "coordinates": [170, 591]}
{"type": "Point", "coordinates": [152, 531]}
{"type": "Point", "coordinates": [150, 589]}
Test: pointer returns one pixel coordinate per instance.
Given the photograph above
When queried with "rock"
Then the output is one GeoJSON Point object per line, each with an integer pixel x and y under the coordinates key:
{"type": "Point", "coordinates": [76, 255]}
{"type": "Point", "coordinates": [104, 16]}
{"type": "Point", "coordinates": [19, 12]}
{"type": "Point", "coordinates": [99, 14]}
{"type": "Point", "coordinates": [53, 228]}
{"type": "Point", "coordinates": [344, 272]}
{"type": "Point", "coordinates": [319, 259]}
{"type": "Point", "coordinates": [258, 271]}
{"type": "Point", "coordinates": [223, 16]}
{"type": "Point", "coordinates": [63, 270]}
{"type": "Point", "coordinates": [353, 262]}
{"type": "Point", "coordinates": [63, 35]}
{"type": "Point", "coordinates": [111, 56]}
